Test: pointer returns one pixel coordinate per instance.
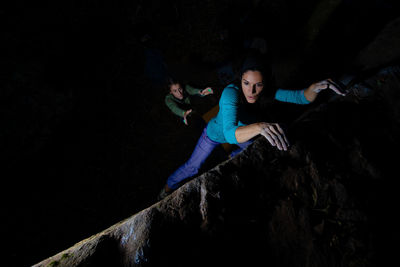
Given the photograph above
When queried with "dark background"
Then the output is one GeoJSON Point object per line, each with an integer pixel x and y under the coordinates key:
{"type": "Point", "coordinates": [86, 139]}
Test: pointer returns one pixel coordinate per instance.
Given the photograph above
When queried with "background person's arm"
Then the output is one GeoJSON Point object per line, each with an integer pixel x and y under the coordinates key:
{"type": "Point", "coordinates": [202, 92]}
{"type": "Point", "coordinates": [174, 107]}
{"type": "Point", "coordinates": [192, 91]}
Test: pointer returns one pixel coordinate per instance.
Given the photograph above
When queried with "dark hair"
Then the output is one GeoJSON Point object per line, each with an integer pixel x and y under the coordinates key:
{"type": "Point", "coordinates": [255, 62]}
{"type": "Point", "coordinates": [170, 81]}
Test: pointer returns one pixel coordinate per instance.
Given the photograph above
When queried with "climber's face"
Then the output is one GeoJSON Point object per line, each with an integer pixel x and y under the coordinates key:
{"type": "Point", "coordinates": [176, 90]}
{"type": "Point", "coordinates": [252, 85]}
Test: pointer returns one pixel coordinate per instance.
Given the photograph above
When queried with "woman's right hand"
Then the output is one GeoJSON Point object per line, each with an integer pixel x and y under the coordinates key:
{"type": "Point", "coordinates": [274, 134]}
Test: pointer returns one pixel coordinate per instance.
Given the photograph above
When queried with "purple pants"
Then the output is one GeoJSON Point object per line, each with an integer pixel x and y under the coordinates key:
{"type": "Point", "coordinates": [201, 152]}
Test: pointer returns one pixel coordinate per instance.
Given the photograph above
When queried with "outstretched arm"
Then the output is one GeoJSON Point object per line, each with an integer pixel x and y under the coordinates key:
{"type": "Point", "coordinates": [307, 95]}
{"type": "Point", "coordinates": [202, 92]}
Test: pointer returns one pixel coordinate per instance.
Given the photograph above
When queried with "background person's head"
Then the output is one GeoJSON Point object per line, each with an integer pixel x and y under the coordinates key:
{"type": "Point", "coordinates": [175, 88]}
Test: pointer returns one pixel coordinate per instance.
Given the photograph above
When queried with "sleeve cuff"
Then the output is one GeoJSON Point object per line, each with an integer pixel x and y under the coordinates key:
{"type": "Point", "coordinates": [291, 96]}
{"type": "Point", "coordinates": [303, 98]}
{"type": "Point", "coordinates": [230, 136]}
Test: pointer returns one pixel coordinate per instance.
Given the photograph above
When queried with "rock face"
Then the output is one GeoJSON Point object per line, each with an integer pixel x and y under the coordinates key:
{"type": "Point", "coordinates": [328, 201]}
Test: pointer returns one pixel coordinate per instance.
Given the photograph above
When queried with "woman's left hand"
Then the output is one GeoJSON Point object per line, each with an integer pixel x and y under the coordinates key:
{"type": "Point", "coordinates": [314, 89]}
{"type": "Point", "coordinates": [325, 84]}
{"type": "Point", "coordinates": [207, 91]}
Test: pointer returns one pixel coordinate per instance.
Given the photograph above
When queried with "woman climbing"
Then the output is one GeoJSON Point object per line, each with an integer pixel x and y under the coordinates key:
{"type": "Point", "coordinates": [234, 123]}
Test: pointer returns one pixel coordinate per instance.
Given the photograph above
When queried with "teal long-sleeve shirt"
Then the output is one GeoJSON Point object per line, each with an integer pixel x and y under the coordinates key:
{"type": "Point", "coordinates": [231, 116]}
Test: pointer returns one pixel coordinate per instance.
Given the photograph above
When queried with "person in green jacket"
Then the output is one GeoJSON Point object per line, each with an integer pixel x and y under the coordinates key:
{"type": "Point", "coordinates": [178, 99]}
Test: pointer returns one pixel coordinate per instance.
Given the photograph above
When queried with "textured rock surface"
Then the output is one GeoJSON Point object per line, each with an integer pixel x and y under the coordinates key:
{"type": "Point", "coordinates": [328, 201]}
